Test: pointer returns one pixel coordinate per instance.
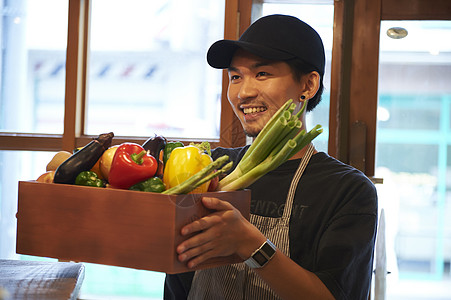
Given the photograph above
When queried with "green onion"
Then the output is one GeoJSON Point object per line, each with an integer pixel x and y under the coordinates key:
{"type": "Point", "coordinates": [279, 140]}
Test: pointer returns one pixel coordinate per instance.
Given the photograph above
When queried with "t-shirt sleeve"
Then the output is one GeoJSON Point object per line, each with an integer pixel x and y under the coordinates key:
{"type": "Point", "coordinates": [345, 253]}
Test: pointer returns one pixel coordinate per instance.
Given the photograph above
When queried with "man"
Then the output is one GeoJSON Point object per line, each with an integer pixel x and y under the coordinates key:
{"type": "Point", "coordinates": [313, 220]}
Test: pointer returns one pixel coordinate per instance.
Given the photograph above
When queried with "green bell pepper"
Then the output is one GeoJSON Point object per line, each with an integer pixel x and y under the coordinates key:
{"type": "Point", "coordinates": [89, 178]}
{"type": "Point", "coordinates": [153, 184]}
{"type": "Point", "coordinates": [168, 149]}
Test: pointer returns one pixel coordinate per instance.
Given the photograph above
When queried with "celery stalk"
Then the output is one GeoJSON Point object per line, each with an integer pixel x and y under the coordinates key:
{"type": "Point", "coordinates": [304, 139]}
{"type": "Point", "coordinates": [267, 135]}
{"type": "Point", "coordinates": [267, 127]}
{"type": "Point", "coordinates": [299, 113]}
{"type": "Point", "coordinates": [274, 160]}
{"type": "Point", "coordinates": [292, 123]}
{"type": "Point", "coordinates": [262, 149]}
{"type": "Point", "coordinates": [279, 140]}
{"type": "Point", "coordinates": [269, 164]}
{"type": "Point", "coordinates": [289, 136]}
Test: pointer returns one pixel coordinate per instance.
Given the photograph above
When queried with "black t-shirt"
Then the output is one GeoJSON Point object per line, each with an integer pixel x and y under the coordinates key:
{"type": "Point", "coordinates": [332, 225]}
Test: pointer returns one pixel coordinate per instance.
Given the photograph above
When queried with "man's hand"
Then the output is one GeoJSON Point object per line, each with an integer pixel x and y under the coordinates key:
{"type": "Point", "coordinates": [221, 233]}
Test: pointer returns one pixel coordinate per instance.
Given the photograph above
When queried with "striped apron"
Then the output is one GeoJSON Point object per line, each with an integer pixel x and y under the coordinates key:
{"type": "Point", "coordinates": [238, 281]}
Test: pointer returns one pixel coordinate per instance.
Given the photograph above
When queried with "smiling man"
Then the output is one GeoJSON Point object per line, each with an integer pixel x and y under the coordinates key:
{"type": "Point", "coordinates": [312, 227]}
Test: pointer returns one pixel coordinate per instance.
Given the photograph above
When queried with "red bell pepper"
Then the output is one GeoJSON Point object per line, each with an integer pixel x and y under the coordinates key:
{"type": "Point", "coordinates": [131, 164]}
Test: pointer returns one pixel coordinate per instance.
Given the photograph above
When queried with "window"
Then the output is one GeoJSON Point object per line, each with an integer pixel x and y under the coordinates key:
{"type": "Point", "coordinates": [33, 66]}
{"type": "Point", "coordinates": [147, 68]}
{"type": "Point", "coordinates": [412, 153]}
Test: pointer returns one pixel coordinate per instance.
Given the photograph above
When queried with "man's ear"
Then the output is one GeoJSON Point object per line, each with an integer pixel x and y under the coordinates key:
{"type": "Point", "coordinates": [311, 84]}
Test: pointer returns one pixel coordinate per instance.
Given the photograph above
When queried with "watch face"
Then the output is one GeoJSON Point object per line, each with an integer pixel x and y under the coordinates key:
{"type": "Point", "coordinates": [262, 255]}
{"type": "Point", "coordinates": [260, 258]}
{"type": "Point", "coordinates": [265, 253]}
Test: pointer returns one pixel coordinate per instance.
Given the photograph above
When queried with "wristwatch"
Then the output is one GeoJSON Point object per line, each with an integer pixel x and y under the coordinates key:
{"type": "Point", "coordinates": [261, 256]}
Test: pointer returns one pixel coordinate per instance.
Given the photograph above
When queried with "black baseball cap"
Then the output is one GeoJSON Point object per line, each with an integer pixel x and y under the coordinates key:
{"type": "Point", "coordinates": [274, 37]}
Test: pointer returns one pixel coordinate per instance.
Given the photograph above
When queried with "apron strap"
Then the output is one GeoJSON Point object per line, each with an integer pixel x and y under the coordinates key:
{"type": "Point", "coordinates": [294, 182]}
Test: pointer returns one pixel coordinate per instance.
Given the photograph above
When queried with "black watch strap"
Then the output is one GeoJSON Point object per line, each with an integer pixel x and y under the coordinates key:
{"type": "Point", "coordinates": [261, 256]}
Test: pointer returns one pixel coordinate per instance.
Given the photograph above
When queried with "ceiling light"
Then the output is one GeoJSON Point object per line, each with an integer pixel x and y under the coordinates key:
{"type": "Point", "coordinates": [397, 33]}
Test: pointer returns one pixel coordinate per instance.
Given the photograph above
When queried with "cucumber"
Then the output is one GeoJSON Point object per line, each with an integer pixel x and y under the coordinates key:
{"type": "Point", "coordinates": [83, 160]}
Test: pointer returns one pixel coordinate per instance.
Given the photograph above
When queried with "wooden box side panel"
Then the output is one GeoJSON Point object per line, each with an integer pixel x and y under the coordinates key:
{"type": "Point", "coordinates": [106, 226]}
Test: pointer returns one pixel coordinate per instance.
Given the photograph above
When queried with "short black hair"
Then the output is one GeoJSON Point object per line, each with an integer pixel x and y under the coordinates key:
{"type": "Point", "coordinates": [299, 68]}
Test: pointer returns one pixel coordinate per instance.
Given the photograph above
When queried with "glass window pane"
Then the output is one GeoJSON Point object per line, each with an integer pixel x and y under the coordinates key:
{"type": "Point", "coordinates": [33, 65]}
{"type": "Point", "coordinates": [148, 72]}
{"type": "Point", "coordinates": [407, 111]}
{"type": "Point", "coordinates": [321, 18]}
{"type": "Point", "coordinates": [16, 166]}
{"type": "Point", "coordinates": [412, 155]}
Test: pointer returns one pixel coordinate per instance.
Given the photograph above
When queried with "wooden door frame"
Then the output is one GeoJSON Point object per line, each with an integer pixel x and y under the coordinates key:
{"type": "Point", "coordinates": [355, 63]}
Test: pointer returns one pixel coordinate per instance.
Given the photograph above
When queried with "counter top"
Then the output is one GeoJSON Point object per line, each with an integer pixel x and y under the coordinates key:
{"type": "Point", "coordinates": [20, 279]}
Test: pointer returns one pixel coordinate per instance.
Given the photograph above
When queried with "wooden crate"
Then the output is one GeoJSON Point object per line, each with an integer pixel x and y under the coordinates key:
{"type": "Point", "coordinates": [109, 226]}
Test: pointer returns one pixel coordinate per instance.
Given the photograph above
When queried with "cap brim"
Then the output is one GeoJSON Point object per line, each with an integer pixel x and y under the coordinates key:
{"type": "Point", "coordinates": [221, 52]}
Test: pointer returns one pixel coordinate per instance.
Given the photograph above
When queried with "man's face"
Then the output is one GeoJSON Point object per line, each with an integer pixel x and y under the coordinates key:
{"type": "Point", "coordinates": [258, 88]}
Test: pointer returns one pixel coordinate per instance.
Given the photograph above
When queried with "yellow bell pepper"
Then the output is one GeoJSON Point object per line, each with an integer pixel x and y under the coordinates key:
{"type": "Point", "coordinates": [183, 163]}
